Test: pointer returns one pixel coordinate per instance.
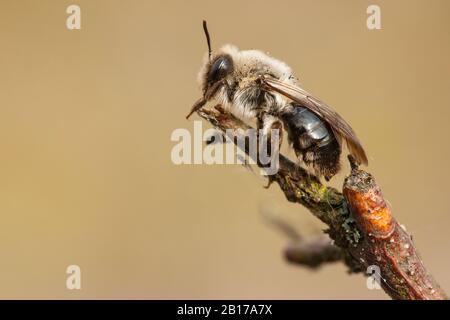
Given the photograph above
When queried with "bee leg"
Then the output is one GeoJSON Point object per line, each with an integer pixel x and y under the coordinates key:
{"type": "Point", "coordinates": [271, 125]}
{"type": "Point", "coordinates": [216, 138]}
{"type": "Point", "coordinates": [270, 180]}
{"type": "Point", "coordinates": [208, 95]}
{"type": "Point", "coordinates": [272, 130]}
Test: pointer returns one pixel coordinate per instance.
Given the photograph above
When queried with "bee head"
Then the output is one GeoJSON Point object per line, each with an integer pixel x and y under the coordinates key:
{"type": "Point", "coordinates": [216, 68]}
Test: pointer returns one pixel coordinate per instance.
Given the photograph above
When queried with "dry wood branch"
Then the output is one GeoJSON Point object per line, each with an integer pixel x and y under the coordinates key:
{"type": "Point", "coordinates": [359, 222]}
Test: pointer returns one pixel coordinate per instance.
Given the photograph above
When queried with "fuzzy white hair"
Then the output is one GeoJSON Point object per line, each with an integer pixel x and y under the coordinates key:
{"type": "Point", "coordinates": [248, 66]}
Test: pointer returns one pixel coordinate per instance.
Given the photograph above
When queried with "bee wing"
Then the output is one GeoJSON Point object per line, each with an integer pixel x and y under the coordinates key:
{"type": "Point", "coordinates": [341, 128]}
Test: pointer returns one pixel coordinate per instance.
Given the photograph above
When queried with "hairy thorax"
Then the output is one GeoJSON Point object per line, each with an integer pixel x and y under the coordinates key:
{"type": "Point", "coordinates": [243, 95]}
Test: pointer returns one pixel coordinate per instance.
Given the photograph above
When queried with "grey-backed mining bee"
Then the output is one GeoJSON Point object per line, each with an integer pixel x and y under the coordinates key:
{"type": "Point", "coordinates": [252, 85]}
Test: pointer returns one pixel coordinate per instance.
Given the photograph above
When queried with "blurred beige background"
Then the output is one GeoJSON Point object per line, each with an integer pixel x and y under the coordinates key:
{"type": "Point", "coordinates": [85, 123]}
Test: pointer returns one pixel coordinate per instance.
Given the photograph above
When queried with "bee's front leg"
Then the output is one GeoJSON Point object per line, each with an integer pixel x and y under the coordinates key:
{"type": "Point", "coordinates": [208, 95]}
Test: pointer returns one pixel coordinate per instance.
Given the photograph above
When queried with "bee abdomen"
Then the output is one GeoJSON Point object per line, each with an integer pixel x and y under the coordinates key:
{"type": "Point", "coordinates": [324, 159]}
{"type": "Point", "coordinates": [313, 140]}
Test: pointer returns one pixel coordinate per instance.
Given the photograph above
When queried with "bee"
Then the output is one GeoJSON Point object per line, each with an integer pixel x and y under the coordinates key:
{"type": "Point", "coordinates": [253, 85]}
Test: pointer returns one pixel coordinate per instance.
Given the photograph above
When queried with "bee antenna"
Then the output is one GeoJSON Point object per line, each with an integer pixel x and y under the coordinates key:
{"type": "Point", "coordinates": [208, 39]}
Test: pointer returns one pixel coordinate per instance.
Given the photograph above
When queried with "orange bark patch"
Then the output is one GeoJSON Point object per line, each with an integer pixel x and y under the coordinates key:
{"type": "Point", "coordinates": [371, 212]}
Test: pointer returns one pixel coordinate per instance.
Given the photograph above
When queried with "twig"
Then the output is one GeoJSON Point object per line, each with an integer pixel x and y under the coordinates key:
{"type": "Point", "coordinates": [360, 224]}
{"type": "Point", "coordinates": [313, 253]}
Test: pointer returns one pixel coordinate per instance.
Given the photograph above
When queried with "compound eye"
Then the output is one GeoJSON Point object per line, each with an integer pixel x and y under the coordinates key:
{"type": "Point", "coordinates": [220, 69]}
